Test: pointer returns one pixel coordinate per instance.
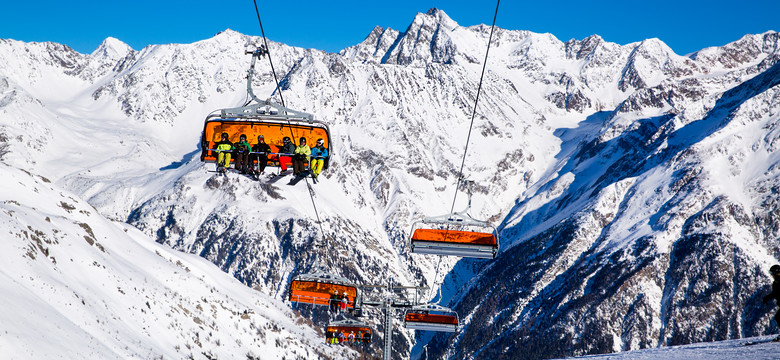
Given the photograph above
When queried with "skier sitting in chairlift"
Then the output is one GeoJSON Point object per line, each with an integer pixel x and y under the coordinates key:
{"type": "Point", "coordinates": [301, 156]}
{"type": "Point", "coordinates": [262, 149]}
{"type": "Point", "coordinates": [334, 301]}
{"type": "Point", "coordinates": [224, 147]}
{"type": "Point", "coordinates": [242, 154]}
{"type": "Point", "coordinates": [318, 155]}
{"type": "Point", "coordinates": [344, 301]}
{"type": "Point", "coordinates": [287, 148]}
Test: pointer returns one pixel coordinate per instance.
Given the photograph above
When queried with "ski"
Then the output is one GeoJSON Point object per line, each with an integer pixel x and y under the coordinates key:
{"type": "Point", "coordinates": [275, 177]}
{"type": "Point", "coordinates": [295, 180]}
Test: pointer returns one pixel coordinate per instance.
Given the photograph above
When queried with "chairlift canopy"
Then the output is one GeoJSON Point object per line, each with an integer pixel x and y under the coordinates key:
{"type": "Point", "coordinates": [317, 289]}
{"type": "Point", "coordinates": [431, 317]}
{"type": "Point", "coordinates": [455, 234]}
{"type": "Point", "coordinates": [346, 327]}
{"type": "Point", "coordinates": [271, 120]}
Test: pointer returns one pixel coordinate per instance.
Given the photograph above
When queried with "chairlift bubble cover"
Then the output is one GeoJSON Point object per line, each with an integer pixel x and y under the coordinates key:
{"type": "Point", "coordinates": [347, 326]}
{"type": "Point", "coordinates": [455, 234]}
{"type": "Point", "coordinates": [273, 132]}
{"type": "Point", "coordinates": [431, 318]}
{"type": "Point", "coordinates": [437, 241]}
{"type": "Point", "coordinates": [319, 292]}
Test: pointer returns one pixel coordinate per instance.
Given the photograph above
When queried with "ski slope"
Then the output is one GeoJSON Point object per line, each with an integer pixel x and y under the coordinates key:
{"type": "Point", "coordinates": [764, 349]}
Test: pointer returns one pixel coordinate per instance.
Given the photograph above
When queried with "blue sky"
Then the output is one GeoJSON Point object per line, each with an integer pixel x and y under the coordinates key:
{"type": "Point", "coordinates": [686, 26]}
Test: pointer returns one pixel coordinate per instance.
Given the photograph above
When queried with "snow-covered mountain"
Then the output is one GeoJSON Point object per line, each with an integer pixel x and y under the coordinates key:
{"type": "Point", "coordinates": [76, 285]}
{"type": "Point", "coordinates": [635, 188]}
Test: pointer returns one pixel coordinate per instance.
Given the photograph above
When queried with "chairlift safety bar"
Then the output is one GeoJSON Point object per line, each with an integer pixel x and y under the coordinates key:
{"type": "Point", "coordinates": [449, 249]}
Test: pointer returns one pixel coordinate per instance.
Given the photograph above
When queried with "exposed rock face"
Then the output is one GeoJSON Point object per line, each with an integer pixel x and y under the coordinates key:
{"type": "Point", "coordinates": [635, 188]}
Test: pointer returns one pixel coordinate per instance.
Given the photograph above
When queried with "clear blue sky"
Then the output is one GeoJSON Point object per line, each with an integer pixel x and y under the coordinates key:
{"type": "Point", "coordinates": [686, 26]}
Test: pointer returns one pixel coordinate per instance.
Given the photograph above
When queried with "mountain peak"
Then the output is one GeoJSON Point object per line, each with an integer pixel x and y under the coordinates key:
{"type": "Point", "coordinates": [439, 17]}
{"type": "Point", "coordinates": [112, 48]}
{"type": "Point", "coordinates": [228, 35]}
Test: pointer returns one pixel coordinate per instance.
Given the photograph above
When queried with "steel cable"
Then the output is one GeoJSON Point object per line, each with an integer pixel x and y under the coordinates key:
{"type": "Point", "coordinates": [474, 112]}
{"type": "Point", "coordinates": [292, 135]}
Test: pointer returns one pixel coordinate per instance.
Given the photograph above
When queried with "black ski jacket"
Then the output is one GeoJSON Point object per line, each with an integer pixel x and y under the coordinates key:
{"type": "Point", "coordinates": [775, 294]}
{"type": "Point", "coordinates": [261, 147]}
{"type": "Point", "coordinates": [287, 149]}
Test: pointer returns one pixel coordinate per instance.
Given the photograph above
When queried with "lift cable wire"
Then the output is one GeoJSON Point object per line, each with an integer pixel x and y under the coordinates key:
{"type": "Point", "coordinates": [292, 136]}
{"type": "Point", "coordinates": [474, 113]}
{"type": "Point", "coordinates": [265, 43]}
{"type": "Point", "coordinates": [435, 282]}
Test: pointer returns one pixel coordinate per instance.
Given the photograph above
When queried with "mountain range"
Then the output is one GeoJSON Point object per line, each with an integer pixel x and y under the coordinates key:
{"type": "Point", "coordinates": [634, 189]}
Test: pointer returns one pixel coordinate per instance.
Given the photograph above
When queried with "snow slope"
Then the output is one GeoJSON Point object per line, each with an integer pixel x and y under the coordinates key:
{"type": "Point", "coordinates": [717, 350]}
{"type": "Point", "coordinates": [77, 285]}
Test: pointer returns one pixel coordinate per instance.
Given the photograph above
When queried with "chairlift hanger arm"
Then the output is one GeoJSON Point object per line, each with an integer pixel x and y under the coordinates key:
{"type": "Point", "coordinates": [393, 287]}
{"type": "Point", "coordinates": [393, 304]}
{"type": "Point", "coordinates": [265, 108]}
{"type": "Point", "coordinates": [457, 218]}
{"type": "Point", "coordinates": [260, 51]}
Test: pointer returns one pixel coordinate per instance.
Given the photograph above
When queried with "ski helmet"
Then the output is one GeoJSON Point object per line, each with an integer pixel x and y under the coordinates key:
{"type": "Point", "coordinates": [242, 137]}
{"type": "Point", "coordinates": [286, 139]}
{"type": "Point", "coordinates": [775, 270]}
{"type": "Point", "coordinates": [224, 135]}
{"type": "Point", "coordinates": [320, 141]}
{"type": "Point", "coordinates": [303, 139]}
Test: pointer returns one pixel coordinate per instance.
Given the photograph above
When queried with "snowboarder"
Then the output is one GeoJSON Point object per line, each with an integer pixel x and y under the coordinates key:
{"type": "Point", "coordinates": [260, 153]}
{"type": "Point", "coordinates": [318, 155]}
{"type": "Point", "coordinates": [775, 294]}
{"type": "Point", "coordinates": [302, 153]}
{"type": "Point", "coordinates": [242, 154]}
{"type": "Point", "coordinates": [224, 147]}
{"type": "Point", "coordinates": [287, 148]}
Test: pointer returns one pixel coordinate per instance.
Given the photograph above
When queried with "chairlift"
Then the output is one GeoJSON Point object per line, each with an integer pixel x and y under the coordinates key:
{"type": "Point", "coordinates": [318, 289]}
{"type": "Point", "coordinates": [455, 234]}
{"type": "Point", "coordinates": [362, 330]}
{"type": "Point", "coordinates": [273, 121]}
{"type": "Point", "coordinates": [431, 317]}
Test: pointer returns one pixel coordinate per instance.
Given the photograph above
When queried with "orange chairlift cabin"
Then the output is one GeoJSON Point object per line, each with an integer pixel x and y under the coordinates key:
{"type": "Point", "coordinates": [431, 317]}
{"type": "Point", "coordinates": [273, 121]}
{"type": "Point", "coordinates": [455, 234]}
{"type": "Point", "coordinates": [361, 330]}
{"type": "Point", "coordinates": [321, 289]}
